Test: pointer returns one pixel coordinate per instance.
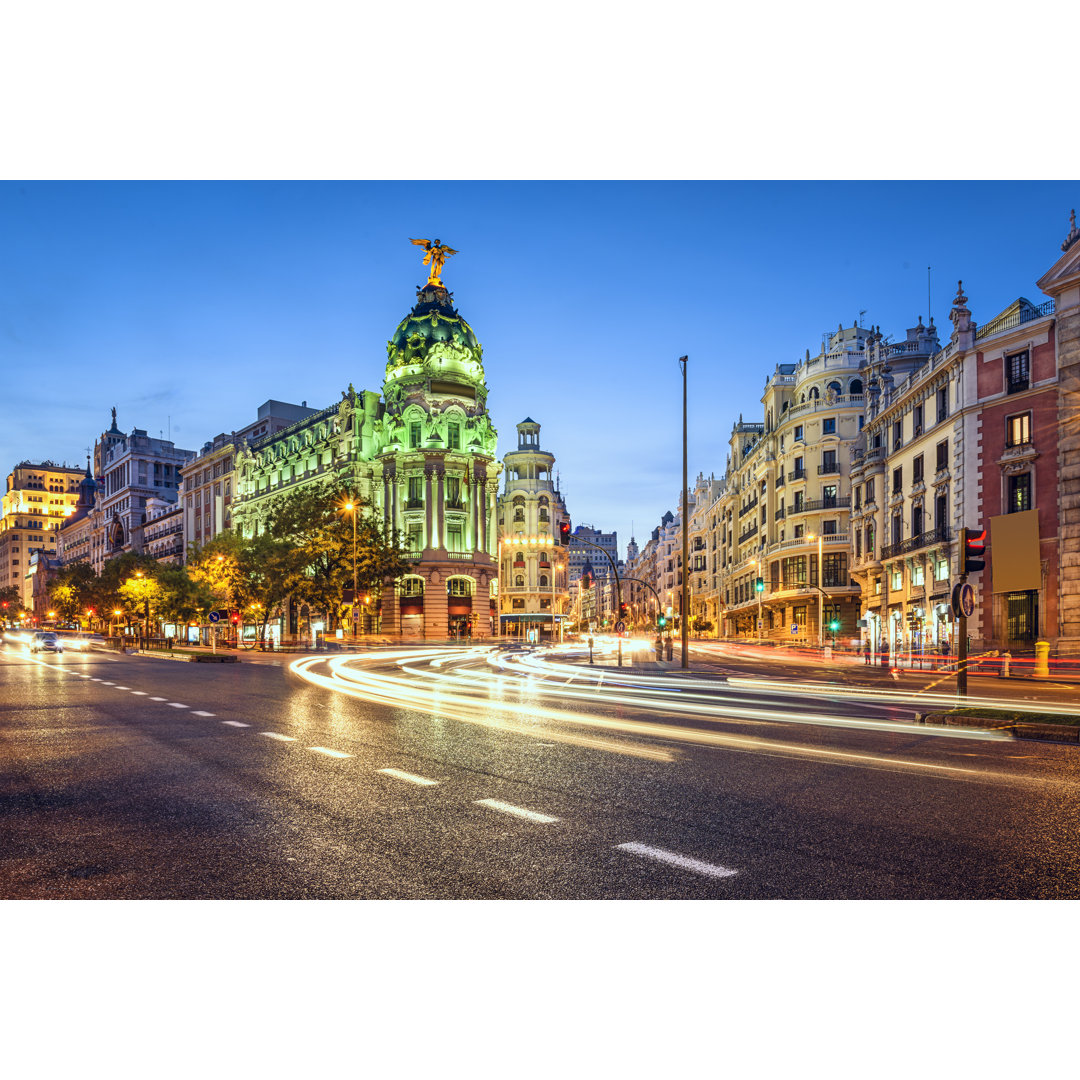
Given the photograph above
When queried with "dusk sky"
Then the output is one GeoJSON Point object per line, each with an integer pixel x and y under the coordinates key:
{"type": "Point", "coordinates": [186, 305]}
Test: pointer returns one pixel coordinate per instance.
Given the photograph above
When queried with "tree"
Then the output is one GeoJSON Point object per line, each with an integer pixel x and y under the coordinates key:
{"type": "Point", "coordinates": [10, 603]}
{"type": "Point", "coordinates": [313, 522]}
{"type": "Point", "coordinates": [182, 599]}
{"type": "Point", "coordinates": [64, 599]}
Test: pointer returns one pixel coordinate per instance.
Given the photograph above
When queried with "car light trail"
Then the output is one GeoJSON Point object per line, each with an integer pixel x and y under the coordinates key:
{"type": "Point", "coordinates": [476, 696]}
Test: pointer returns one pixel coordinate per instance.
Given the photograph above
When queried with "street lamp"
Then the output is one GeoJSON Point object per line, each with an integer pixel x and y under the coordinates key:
{"type": "Point", "coordinates": [116, 615]}
{"type": "Point", "coordinates": [350, 508]}
{"type": "Point", "coordinates": [146, 609]}
{"type": "Point", "coordinates": [821, 594]}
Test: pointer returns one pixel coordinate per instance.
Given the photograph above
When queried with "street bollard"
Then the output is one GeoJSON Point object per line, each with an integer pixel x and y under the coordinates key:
{"type": "Point", "coordinates": [1006, 660]}
{"type": "Point", "coordinates": [1042, 659]}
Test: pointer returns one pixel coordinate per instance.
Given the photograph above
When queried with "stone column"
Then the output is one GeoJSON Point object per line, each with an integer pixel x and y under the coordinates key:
{"type": "Point", "coordinates": [429, 509]}
{"type": "Point", "coordinates": [439, 509]}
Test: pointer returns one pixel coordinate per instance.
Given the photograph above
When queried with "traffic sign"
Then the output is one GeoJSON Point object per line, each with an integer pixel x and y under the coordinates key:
{"type": "Point", "coordinates": [620, 627]}
{"type": "Point", "coordinates": [215, 616]}
{"type": "Point", "coordinates": [794, 628]}
{"type": "Point", "coordinates": [963, 601]}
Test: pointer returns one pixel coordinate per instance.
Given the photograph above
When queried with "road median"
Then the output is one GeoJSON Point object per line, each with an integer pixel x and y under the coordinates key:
{"type": "Point", "coordinates": [1060, 727]}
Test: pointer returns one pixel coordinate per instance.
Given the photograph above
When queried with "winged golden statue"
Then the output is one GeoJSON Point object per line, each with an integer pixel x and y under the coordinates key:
{"type": "Point", "coordinates": [436, 254]}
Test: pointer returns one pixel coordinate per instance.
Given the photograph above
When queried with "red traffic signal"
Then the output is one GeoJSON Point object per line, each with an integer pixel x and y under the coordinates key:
{"type": "Point", "coordinates": [235, 617]}
{"type": "Point", "coordinates": [564, 533]}
{"type": "Point", "coordinates": [624, 612]}
{"type": "Point", "coordinates": [587, 580]}
{"type": "Point", "coordinates": [973, 551]}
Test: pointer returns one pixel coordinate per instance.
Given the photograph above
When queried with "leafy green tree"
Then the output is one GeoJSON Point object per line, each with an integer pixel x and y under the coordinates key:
{"type": "Point", "coordinates": [314, 522]}
{"type": "Point", "coordinates": [64, 600]}
{"type": "Point", "coordinates": [10, 603]}
{"type": "Point", "coordinates": [182, 599]}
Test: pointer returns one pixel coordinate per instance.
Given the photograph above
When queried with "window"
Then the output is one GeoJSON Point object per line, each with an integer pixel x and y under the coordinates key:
{"type": "Point", "coordinates": [828, 463]}
{"type": "Point", "coordinates": [815, 393]}
{"type": "Point", "coordinates": [918, 419]}
{"type": "Point", "coordinates": [453, 436]}
{"type": "Point", "coordinates": [916, 520]}
{"type": "Point", "coordinates": [1018, 430]}
{"type": "Point", "coordinates": [828, 528]}
{"type": "Point", "coordinates": [898, 435]}
{"type": "Point", "coordinates": [943, 404]}
{"type": "Point", "coordinates": [1019, 493]}
{"type": "Point", "coordinates": [458, 586]}
{"type": "Point", "coordinates": [828, 495]}
{"type": "Point", "coordinates": [942, 462]}
{"type": "Point", "coordinates": [798, 433]}
{"type": "Point", "coordinates": [897, 580]}
{"type": "Point", "coordinates": [543, 581]}
{"type": "Point", "coordinates": [917, 470]}
{"type": "Point", "coordinates": [941, 570]}
{"type": "Point", "coordinates": [858, 544]}
{"type": "Point", "coordinates": [897, 480]}
{"type": "Point", "coordinates": [799, 617]}
{"type": "Point", "coordinates": [870, 540]}
{"type": "Point", "coordinates": [858, 497]}
{"type": "Point", "coordinates": [918, 574]}
{"type": "Point", "coordinates": [897, 525]}
{"type": "Point", "coordinates": [416, 492]}
{"type": "Point", "coordinates": [798, 532]}
{"type": "Point", "coordinates": [1017, 372]}
{"type": "Point", "coordinates": [414, 435]}
{"type": "Point", "coordinates": [870, 489]}
{"type": "Point", "coordinates": [795, 570]}
{"type": "Point", "coordinates": [828, 425]}
{"type": "Point", "coordinates": [941, 511]}
{"type": "Point", "coordinates": [519, 581]}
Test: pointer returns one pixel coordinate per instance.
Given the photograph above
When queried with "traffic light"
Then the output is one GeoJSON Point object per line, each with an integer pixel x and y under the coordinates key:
{"type": "Point", "coordinates": [973, 550]}
{"type": "Point", "coordinates": [834, 625]}
{"type": "Point", "coordinates": [587, 580]}
{"type": "Point", "coordinates": [661, 622]}
{"type": "Point", "coordinates": [564, 533]}
{"type": "Point", "coordinates": [235, 617]}
{"type": "Point", "coordinates": [759, 584]}
{"type": "Point", "coordinates": [624, 612]}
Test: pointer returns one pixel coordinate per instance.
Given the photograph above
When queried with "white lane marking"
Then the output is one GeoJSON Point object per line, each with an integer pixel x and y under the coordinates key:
{"type": "Point", "coordinates": [139, 693]}
{"type": "Point", "coordinates": [275, 735]}
{"type": "Point", "coordinates": [177, 705]}
{"type": "Point", "coordinates": [121, 687]}
{"type": "Point", "coordinates": [235, 723]}
{"type": "Point", "coordinates": [683, 861]}
{"type": "Point", "coordinates": [328, 752]}
{"type": "Point", "coordinates": [93, 679]}
{"type": "Point", "coordinates": [199, 712]}
{"type": "Point", "coordinates": [108, 684]}
{"type": "Point", "coordinates": [159, 699]}
{"type": "Point", "coordinates": [411, 778]}
{"type": "Point", "coordinates": [517, 811]}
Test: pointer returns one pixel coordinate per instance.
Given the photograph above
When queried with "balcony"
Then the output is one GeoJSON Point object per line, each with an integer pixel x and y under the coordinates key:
{"type": "Point", "coordinates": [752, 531]}
{"type": "Point", "coordinates": [940, 535]}
{"type": "Point", "coordinates": [811, 506]}
{"type": "Point", "coordinates": [829, 468]}
{"type": "Point", "coordinates": [743, 511]}
{"type": "Point", "coordinates": [797, 474]}
{"type": "Point", "coordinates": [780, 514]}
{"type": "Point", "coordinates": [414, 504]}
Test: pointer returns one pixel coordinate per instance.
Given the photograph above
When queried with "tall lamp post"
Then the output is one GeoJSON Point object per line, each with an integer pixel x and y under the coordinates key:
{"type": "Point", "coordinates": [684, 603]}
{"type": "Point", "coordinates": [350, 507]}
{"type": "Point", "coordinates": [821, 594]}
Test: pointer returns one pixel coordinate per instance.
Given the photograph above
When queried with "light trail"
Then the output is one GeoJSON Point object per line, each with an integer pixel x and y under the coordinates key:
{"type": "Point", "coordinates": [452, 694]}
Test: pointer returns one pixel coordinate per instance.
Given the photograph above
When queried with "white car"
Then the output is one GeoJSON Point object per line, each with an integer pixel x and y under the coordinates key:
{"type": "Point", "coordinates": [46, 640]}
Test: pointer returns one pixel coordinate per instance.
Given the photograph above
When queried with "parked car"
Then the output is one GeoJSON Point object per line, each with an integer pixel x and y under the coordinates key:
{"type": "Point", "coordinates": [46, 640]}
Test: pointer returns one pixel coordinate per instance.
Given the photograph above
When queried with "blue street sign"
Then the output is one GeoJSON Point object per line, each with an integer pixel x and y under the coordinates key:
{"type": "Point", "coordinates": [794, 628]}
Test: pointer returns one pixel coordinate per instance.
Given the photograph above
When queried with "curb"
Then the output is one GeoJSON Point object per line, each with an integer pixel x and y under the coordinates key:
{"type": "Point", "coordinates": [210, 658]}
{"type": "Point", "coordinates": [1062, 733]}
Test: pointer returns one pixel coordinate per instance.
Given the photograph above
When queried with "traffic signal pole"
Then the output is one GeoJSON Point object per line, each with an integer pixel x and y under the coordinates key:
{"type": "Point", "coordinates": [615, 573]}
{"type": "Point", "coordinates": [684, 602]}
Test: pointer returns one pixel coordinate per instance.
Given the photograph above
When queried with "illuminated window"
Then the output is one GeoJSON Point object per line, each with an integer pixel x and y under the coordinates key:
{"type": "Point", "coordinates": [1018, 430]}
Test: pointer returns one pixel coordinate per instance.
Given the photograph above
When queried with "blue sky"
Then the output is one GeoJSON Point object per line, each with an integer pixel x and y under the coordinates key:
{"type": "Point", "coordinates": [188, 304]}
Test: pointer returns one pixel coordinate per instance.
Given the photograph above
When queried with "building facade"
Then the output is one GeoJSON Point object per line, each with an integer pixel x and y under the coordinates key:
{"type": "Point", "coordinates": [422, 457]}
{"type": "Point", "coordinates": [533, 563]}
{"type": "Point", "coordinates": [210, 478]}
{"type": "Point", "coordinates": [36, 503]}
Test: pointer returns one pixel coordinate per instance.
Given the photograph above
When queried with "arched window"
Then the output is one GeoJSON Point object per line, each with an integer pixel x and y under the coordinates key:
{"type": "Point", "coordinates": [412, 586]}
{"type": "Point", "coordinates": [543, 581]}
{"type": "Point", "coordinates": [459, 586]}
{"type": "Point", "coordinates": [814, 393]}
{"type": "Point", "coordinates": [519, 581]}
{"type": "Point", "coordinates": [802, 399]}
{"type": "Point", "coordinates": [856, 386]}
{"type": "Point", "coordinates": [836, 388]}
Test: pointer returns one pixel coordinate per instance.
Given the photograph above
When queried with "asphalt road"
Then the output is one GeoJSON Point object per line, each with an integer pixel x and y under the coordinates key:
{"type": "Point", "coordinates": [450, 774]}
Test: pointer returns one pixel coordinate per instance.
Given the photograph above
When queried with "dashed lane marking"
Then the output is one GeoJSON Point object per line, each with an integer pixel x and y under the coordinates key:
{"type": "Point", "coordinates": [108, 684]}
{"type": "Point", "coordinates": [235, 723]}
{"type": "Point", "coordinates": [159, 699]}
{"type": "Point", "coordinates": [177, 705]}
{"type": "Point", "coordinates": [276, 735]}
{"type": "Point", "coordinates": [139, 693]}
{"type": "Point", "coordinates": [328, 752]}
{"type": "Point", "coordinates": [409, 777]}
{"type": "Point", "coordinates": [516, 811]}
{"type": "Point", "coordinates": [199, 712]}
{"type": "Point", "coordinates": [121, 687]}
{"type": "Point", "coordinates": [696, 866]}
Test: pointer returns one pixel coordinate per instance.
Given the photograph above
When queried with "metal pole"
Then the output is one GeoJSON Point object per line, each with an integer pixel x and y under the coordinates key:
{"type": "Point", "coordinates": [821, 596]}
{"type": "Point", "coordinates": [759, 619]}
{"type": "Point", "coordinates": [355, 590]}
{"type": "Point", "coordinates": [684, 601]}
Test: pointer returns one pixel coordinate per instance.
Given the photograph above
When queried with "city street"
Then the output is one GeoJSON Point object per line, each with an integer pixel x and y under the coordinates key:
{"type": "Point", "coordinates": [456, 772]}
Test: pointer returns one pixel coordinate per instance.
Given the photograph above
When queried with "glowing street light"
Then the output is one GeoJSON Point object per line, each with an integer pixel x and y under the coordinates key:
{"type": "Point", "coordinates": [351, 508]}
{"type": "Point", "coordinates": [821, 593]}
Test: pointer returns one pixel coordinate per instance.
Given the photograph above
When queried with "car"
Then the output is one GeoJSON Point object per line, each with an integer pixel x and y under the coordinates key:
{"type": "Point", "coordinates": [47, 641]}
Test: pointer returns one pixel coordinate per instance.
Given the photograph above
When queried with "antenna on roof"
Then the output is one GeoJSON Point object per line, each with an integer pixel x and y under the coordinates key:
{"type": "Point", "coordinates": [929, 312]}
{"type": "Point", "coordinates": [861, 314]}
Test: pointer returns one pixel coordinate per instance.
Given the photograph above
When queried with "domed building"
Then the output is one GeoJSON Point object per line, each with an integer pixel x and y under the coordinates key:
{"type": "Point", "coordinates": [423, 458]}
{"type": "Point", "coordinates": [436, 474]}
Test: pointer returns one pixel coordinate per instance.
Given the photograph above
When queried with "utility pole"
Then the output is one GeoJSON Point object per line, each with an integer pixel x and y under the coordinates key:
{"type": "Point", "coordinates": [684, 602]}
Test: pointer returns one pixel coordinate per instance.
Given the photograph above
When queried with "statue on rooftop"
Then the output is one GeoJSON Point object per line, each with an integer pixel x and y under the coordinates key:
{"type": "Point", "coordinates": [436, 254]}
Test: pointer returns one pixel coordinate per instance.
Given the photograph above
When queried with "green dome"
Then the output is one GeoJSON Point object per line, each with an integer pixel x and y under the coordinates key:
{"type": "Point", "coordinates": [432, 329]}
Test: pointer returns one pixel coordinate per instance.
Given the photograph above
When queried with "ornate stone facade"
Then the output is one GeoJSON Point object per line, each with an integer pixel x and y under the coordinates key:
{"type": "Point", "coordinates": [423, 458]}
